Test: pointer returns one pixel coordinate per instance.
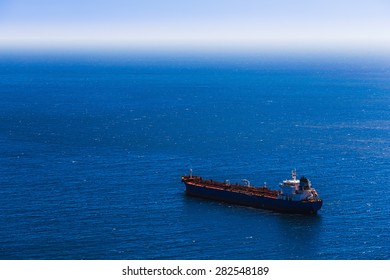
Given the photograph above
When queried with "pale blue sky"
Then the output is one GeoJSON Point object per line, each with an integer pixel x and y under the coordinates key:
{"type": "Point", "coordinates": [202, 24]}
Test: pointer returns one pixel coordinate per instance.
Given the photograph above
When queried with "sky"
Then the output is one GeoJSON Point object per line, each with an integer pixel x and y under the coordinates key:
{"type": "Point", "coordinates": [202, 24]}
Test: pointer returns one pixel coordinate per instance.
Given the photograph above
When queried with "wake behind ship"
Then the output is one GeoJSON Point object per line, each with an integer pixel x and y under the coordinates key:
{"type": "Point", "coordinates": [293, 196]}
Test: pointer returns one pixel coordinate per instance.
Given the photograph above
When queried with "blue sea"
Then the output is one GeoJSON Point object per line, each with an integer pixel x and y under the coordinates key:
{"type": "Point", "coordinates": [92, 148]}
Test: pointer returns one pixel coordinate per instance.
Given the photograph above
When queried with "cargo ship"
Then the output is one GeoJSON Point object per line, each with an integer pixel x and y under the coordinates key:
{"type": "Point", "coordinates": [293, 196]}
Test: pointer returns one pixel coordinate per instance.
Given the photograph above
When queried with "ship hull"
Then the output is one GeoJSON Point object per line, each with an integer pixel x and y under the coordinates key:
{"type": "Point", "coordinates": [262, 202]}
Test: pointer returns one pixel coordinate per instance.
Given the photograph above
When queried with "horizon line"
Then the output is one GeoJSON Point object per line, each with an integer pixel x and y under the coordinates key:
{"type": "Point", "coordinates": [201, 47]}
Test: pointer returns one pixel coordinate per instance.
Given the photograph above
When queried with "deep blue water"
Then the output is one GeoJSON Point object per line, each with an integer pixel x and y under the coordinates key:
{"type": "Point", "coordinates": [92, 150]}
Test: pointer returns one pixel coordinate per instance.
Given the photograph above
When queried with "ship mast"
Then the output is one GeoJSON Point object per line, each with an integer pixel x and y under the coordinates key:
{"type": "Point", "coordinates": [294, 174]}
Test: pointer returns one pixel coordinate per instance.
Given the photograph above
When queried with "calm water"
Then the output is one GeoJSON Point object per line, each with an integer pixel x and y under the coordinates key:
{"type": "Point", "coordinates": [92, 149]}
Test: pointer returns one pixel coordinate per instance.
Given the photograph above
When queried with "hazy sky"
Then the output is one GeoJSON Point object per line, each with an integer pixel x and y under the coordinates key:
{"type": "Point", "coordinates": [236, 24]}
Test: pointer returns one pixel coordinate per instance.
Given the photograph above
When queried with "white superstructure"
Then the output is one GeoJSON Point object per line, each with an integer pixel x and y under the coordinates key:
{"type": "Point", "coordinates": [297, 190]}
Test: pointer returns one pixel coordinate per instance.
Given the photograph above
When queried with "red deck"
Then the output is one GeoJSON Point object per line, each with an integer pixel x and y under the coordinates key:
{"type": "Point", "coordinates": [249, 190]}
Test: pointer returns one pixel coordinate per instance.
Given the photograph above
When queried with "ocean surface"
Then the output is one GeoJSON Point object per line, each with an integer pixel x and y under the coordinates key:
{"type": "Point", "coordinates": [92, 149]}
